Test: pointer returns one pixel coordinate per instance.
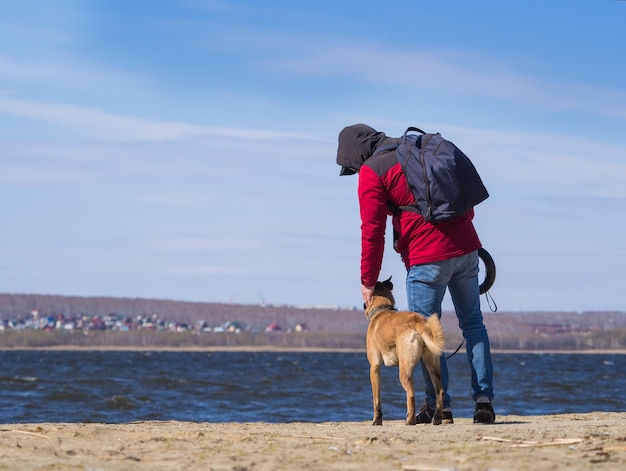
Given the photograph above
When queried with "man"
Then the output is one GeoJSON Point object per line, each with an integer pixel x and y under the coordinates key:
{"type": "Point", "coordinates": [437, 257]}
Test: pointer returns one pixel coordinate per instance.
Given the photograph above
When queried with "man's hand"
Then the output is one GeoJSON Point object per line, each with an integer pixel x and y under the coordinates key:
{"type": "Point", "coordinates": [367, 292]}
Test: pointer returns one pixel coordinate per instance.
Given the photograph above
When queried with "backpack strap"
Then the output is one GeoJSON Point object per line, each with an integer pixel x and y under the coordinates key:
{"type": "Point", "coordinates": [413, 207]}
{"type": "Point", "coordinates": [397, 209]}
{"type": "Point", "coordinates": [392, 207]}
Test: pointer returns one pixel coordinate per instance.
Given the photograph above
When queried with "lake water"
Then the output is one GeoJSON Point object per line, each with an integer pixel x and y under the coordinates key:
{"type": "Point", "coordinates": [118, 387]}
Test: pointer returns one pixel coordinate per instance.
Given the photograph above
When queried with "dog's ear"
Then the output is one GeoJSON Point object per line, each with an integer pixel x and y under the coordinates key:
{"type": "Point", "coordinates": [388, 284]}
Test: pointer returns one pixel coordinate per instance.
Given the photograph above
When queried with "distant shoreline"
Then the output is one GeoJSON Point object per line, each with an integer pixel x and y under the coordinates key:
{"type": "Point", "coordinates": [58, 322]}
{"type": "Point", "coordinates": [270, 348]}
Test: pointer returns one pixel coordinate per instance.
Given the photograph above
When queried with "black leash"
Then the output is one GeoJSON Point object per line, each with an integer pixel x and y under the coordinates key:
{"type": "Point", "coordinates": [456, 351]}
{"type": "Point", "coordinates": [493, 307]}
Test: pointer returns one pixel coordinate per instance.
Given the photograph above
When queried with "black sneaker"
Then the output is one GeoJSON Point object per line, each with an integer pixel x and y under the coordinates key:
{"type": "Point", "coordinates": [425, 416]}
{"type": "Point", "coordinates": [484, 413]}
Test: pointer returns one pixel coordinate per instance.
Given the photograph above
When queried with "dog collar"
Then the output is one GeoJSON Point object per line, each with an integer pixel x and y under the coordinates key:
{"type": "Point", "coordinates": [382, 307]}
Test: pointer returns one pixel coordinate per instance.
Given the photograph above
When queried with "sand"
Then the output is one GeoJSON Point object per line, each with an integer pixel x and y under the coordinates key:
{"type": "Point", "coordinates": [554, 442]}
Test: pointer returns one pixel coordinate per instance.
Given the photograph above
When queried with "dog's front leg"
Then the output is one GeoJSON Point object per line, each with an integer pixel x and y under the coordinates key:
{"type": "Point", "coordinates": [375, 380]}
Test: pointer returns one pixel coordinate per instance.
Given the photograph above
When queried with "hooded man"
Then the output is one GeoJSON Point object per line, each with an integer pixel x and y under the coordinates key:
{"type": "Point", "coordinates": [438, 257]}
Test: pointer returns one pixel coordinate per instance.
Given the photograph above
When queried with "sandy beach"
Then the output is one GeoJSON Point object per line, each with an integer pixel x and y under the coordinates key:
{"type": "Point", "coordinates": [568, 441]}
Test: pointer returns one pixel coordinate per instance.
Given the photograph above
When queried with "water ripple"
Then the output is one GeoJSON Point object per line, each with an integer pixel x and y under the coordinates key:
{"type": "Point", "coordinates": [118, 387]}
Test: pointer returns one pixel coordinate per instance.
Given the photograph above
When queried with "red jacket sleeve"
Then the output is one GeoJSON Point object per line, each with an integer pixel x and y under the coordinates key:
{"type": "Point", "coordinates": [374, 212]}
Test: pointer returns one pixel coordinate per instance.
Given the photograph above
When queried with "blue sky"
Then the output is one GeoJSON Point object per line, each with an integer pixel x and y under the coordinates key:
{"type": "Point", "coordinates": [186, 149]}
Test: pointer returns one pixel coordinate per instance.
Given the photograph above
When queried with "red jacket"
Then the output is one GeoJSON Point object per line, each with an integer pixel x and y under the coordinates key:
{"type": "Point", "coordinates": [381, 181]}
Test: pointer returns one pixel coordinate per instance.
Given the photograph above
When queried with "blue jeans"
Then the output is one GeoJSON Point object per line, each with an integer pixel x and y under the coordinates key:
{"type": "Point", "coordinates": [426, 285]}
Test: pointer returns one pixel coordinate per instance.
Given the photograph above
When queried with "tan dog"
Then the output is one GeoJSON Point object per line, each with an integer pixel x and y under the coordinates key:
{"type": "Point", "coordinates": [396, 338]}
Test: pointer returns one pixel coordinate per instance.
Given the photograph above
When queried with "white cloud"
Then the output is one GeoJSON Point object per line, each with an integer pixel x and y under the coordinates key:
{"type": "Point", "coordinates": [34, 175]}
{"type": "Point", "coordinates": [200, 244]}
{"type": "Point", "coordinates": [202, 270]}
{"type": "Point", "coordinates": [544, 163]}
{"type": "Point", "coordinates": [113, 127]}
{"type": "Point", "coordinates": [521, 162]}
{"type": "Point", "coordinates": [454, 72]}
{"type": "Point", "coordinates": [178, 198]}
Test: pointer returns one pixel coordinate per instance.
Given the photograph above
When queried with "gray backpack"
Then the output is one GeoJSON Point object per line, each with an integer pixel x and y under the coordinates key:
{"type": "Point", "coordinates": [442, 178]}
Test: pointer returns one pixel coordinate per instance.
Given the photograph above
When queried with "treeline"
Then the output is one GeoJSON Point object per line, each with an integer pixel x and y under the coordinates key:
{"type": "Point", "coordinates": [614, 340]}
{"type": "Point", "coordinates": [155, 339]}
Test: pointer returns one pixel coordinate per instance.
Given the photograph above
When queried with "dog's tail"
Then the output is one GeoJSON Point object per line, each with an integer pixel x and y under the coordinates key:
{"type": "Point", "coordinates": [433, 335]}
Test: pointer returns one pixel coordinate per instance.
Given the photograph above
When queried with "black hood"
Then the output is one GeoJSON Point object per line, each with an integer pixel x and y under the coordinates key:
{"type": "Point", "coordinates": [357, 143]}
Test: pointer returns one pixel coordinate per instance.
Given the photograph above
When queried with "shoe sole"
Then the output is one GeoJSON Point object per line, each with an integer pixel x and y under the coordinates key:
{"type": "Point", "coordinates": [484, 417]}
{"type": "Point", "coordinates": [444, 421]}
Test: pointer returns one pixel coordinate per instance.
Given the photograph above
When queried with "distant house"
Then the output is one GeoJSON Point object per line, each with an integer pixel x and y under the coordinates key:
{"type": "Point", "coordinates": [233, 326]}
{"type": "Point", "coordinates": [273, 328]}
